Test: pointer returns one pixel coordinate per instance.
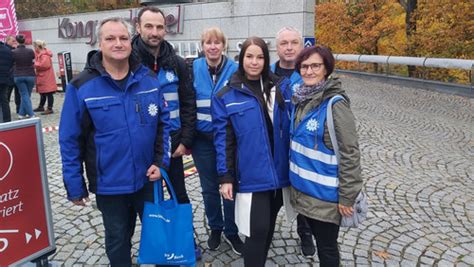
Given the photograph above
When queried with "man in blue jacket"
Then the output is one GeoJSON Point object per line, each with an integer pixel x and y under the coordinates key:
{"type": "Point", "coordinates": [6, 81]}
{"type": "Point", "coordinates": [289, 44]}
{"type": "Point", "coordinates": [112, 115]}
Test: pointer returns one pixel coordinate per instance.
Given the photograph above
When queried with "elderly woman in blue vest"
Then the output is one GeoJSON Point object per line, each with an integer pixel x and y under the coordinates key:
{"type": "Point", "coordinates": [212, 73]}
{"type": "Point", "coordinates": [325, 184]}
{"type": "Point", "coordinates": [250, 117]}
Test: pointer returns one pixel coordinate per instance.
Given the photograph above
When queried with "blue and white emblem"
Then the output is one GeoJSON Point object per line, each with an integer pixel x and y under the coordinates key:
{"type": "Point", "coordinates": [312, 125]}
{"type": "Point", "coordinates": [152, 110]}
{"type": "Point", "coordinates": [169, 76]}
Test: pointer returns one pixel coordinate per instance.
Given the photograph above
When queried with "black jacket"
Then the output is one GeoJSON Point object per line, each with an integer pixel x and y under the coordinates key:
{"type": "Point", "coordinates": [24, 61]}
{"type": "Point", "coordinates": [6, 65]}
{"type": "Point", "coordinates": [167, 59]}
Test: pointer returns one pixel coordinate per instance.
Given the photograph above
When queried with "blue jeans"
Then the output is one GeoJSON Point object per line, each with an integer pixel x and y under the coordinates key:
{"type": "Point", "coordinates": [25, 86]}
{"type": "Point", "coordinates": [204, 156]}
{"type": "Point", "coordinates": [119, 213]}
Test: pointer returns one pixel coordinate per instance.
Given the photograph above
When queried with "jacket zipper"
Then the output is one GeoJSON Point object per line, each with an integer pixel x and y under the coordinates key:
{"type": "Point", "coordinates": [270, 158]}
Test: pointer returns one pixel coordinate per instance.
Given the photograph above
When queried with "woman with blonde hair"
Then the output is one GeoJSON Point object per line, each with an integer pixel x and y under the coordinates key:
{"type": "Point", "coordinates": [45, 79]}
{"type": "Point", "coordinates": [211, 73]}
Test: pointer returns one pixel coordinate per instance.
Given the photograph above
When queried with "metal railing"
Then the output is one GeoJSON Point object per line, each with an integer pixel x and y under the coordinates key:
{"type": "Point", "coordinates": [447, 63]}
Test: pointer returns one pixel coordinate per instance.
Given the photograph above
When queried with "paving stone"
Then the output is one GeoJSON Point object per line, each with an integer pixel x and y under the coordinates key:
{"type": "Point", "coordinates": [416, 148]}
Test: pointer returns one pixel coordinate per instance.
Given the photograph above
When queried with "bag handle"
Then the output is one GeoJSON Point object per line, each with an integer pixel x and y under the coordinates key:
{"type": "Point", "coordinates": [330, 124]}
{"type": "Point", "coordinates": [158, 189]}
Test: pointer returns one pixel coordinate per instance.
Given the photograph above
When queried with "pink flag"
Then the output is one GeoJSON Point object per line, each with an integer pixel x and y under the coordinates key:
{"type": "Point", "coordinates": [8, 24]}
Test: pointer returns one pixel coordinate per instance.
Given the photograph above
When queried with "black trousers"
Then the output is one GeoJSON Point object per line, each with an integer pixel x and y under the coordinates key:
{"type": "Point", "coordinates": [326, 241]}
{"type": "Point", "coordinates": [263, 214]}
{"type": "Point", "coordinates": [17, 97]}
{"type": "Point", "coordinates": [50, 98]}
{"type": "Point", "coordinates": [119, 213]}
{"type": "Point", "coordinates": [5, 115]}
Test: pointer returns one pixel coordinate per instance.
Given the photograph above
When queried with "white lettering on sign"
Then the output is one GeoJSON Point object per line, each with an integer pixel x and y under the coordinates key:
{"type": "Point", "coordinates": [4, 240]}
{"type": "Point", "coordinates": [10, 209]}
{"type": "Point", "coordinates": [3, 16]}
{"type": "Point", "coordinates": [10, 160]}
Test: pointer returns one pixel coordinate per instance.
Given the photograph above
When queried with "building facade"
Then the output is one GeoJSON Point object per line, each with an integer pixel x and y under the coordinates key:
{"type": "Point", "coordinates": [238, 19]}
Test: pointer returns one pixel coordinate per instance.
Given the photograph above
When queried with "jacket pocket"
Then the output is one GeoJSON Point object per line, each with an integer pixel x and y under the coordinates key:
{"type": "Point", "coordinates": [245, 116]}
{"type": "Point", "coordinates": [147, 106]}
{"type": "Point", "coordinates": [107, 113]}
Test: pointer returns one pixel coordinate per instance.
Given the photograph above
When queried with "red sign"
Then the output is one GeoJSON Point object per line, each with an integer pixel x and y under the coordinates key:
{"type": "Point", "coordinates": [28, 37]}
{"type": "Point", "coordinates": [25, 214]}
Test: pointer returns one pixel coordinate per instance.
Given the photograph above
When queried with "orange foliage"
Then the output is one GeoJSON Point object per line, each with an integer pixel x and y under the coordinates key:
{"type": "Point", "coordinates": [444, 28]}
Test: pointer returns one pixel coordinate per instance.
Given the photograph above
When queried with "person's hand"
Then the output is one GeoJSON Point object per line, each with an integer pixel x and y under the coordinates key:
{"type": "Point", "coordinates": [345, 211]}
{"type": "Point", "coordinates": [226, 191]}
{"type": "Point", "coordinates": [81, 202]}
{"type": "Point", "coordinates": [153, 173]}
{"type": "Point", "coordinates": [180, 151]}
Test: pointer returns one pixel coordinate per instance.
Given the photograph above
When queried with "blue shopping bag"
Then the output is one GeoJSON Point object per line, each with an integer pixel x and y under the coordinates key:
{"type": "Point", "coordinates": [167, 229]}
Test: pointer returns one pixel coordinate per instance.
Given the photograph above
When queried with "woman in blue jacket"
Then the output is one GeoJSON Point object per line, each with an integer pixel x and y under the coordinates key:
{"type": "Point", "coordinates": [211, 73]}
{"type": "Point", "coordinates": [250, 117]}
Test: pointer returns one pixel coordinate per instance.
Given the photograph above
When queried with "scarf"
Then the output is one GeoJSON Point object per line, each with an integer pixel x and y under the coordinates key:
{"type": "Point", "coordinates": [304, 92]}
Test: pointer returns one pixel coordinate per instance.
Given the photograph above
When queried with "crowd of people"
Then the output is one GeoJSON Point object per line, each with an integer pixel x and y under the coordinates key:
{"type": "Point", "coordinates": [258, 132]}
{"type": "Point", "coordinates": [21, 70]}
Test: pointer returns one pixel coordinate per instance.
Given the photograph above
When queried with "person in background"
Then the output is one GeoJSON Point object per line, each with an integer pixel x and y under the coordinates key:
{"type": "Point", "coordinates": [212, 73]}
{"type": "Point", "coordinates": [11, 43]}
{"type": "Point", "coordinates": [6, 81]}
{"type": "Point", "coordinates": [289, 44]}
{"type": "Point", "coordinates": [45, 79]}
{"type": "Point", "coordinates": [115, 122]}
{"type": "Point", "coordinates": [250, 118]}
{"type": "Point", "coordinates": [24, 76]}
{"type": "Point", "coordinates": [324, 185]}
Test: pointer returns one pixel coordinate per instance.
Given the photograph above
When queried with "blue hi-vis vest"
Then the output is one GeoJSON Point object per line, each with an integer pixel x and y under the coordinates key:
{"type": "Point", "coordinates": [313, 166]}
{"type": "Point", "coordinates": [295, 78]}
{"type": "Point", "coordinates": [169, 84]}
{"type": "Point", "coordinates": [205, 89]}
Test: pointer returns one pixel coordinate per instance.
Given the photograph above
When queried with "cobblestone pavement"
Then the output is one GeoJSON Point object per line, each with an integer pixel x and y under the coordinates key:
{"type": "Point", "coordinates": [417, 155]}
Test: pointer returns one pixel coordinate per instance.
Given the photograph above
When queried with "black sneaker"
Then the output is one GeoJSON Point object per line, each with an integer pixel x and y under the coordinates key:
{"type": "Point", "coordinates": [307, 245]}
{"type": "Point", "coordinates": [235, 243]}
{"type": "Point", "coordinates": [214, 241]}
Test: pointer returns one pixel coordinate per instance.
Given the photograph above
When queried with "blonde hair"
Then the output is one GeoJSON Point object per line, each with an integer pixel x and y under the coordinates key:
{"type": "Point", "coordinates": [214, 32]}
{"type": "Point", "coordinates": [40, 44]}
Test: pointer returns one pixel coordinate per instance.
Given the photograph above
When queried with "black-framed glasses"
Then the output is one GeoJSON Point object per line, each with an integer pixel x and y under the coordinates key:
{"type": "Point", "coordinates": [313, 66]}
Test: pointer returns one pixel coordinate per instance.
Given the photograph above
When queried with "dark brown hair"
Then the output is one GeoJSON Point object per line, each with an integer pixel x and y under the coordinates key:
{"type": "Point", "coordinates": [324, 52]}
{"type": "Point", "coordinates": [254, 40]}
{"type": "Point", "coordinates": [267, 82]}
{"type": "Point", "coordinates": [152, 9]}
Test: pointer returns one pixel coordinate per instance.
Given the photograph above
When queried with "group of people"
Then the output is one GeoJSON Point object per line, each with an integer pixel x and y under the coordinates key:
{"type": "Point", "coordinates": [258, 134]}
{"type": "Point", "coordinates": [22, 69]}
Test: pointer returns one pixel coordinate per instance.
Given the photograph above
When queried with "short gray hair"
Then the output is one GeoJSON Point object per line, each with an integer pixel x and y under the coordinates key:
{"type": "Point", "coordinates": [290, 29]}
{"type": "Point", "coordinates": [114, 19]}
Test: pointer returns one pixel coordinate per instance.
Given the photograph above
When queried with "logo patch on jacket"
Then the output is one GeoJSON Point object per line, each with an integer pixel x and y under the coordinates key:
{"type": "Point", "coordinates": [169, 76]}
{"type": "Point", "coordinates": [295, 87]}
{"type": "Point", "coordinates": [152, 110]}
{"type": "Point", "coordinates": [312, 125]}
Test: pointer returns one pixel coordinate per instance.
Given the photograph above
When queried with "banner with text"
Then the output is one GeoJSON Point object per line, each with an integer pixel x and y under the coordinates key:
{"type": "Point", "coordinates": [8, 23]}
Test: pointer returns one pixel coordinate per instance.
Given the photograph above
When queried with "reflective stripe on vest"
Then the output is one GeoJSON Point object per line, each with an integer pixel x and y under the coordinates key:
{"type": "Point", "coordinates": [205, 89]}
{"type": "Point", "coordinates": [169, 84]}
{"type": "Point", "coordinates": [313, 166]}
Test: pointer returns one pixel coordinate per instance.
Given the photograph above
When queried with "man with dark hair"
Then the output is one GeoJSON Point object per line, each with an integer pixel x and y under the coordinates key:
{"type": "Point", "coordinates": [6, 81]}
{"type": "Point", "coordinates": [176, 86]}
{"type": "Point", "coordinates": [115, 122]}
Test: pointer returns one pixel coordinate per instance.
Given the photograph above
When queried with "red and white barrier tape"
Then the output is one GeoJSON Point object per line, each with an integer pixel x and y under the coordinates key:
{"type": "Point", "coordinates": [50, 129]}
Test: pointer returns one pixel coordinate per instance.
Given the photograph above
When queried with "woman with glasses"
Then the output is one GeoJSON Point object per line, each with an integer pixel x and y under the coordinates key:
{"type": "Point", "coordinates": [250, 117]}
{"type": "Point", "coordinates": [324, 183]}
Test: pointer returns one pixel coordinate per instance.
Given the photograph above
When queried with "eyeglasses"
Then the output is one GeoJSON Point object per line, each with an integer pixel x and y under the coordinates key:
{"type": "Point", "coordinates": [313, 66]}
